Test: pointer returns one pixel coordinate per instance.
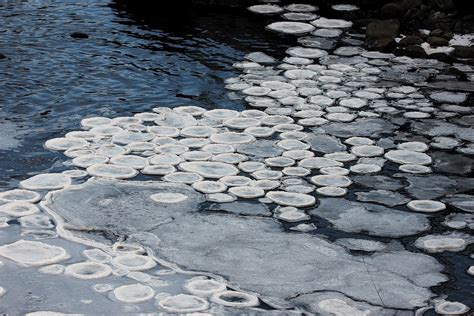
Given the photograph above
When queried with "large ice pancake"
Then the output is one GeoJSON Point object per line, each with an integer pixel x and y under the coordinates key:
{"type": "Point", "coordinates": [121, 207]}
{"type": "Point", "coordinates": [253, 253]}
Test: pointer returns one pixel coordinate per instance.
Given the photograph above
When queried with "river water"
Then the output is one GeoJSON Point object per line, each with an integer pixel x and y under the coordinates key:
{"type": "Point", "coordinates": [132, 61]}
{"type": "Point", "coordinates": [51, 80]}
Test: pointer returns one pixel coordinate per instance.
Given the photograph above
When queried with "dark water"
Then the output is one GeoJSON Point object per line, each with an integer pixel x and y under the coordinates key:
{"type": "Point", "coordinates": [132, 61]}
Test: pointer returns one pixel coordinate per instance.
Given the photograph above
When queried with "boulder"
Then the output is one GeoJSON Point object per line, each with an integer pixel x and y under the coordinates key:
{"type": "Point", "coordinates": [410, 40]}
{"type": "Point", "coordinates": [435, 41]}
{"type": "Point", "coordinates": [380, 34]}
{"type": "Point", "coordinates": [410, 4]}
{"type": "Point", "coordinates": [413, 51]}
{"type": "Point", "coordinates": [464, 51]}
{"type": "Point", "coordinates": [392, 11]}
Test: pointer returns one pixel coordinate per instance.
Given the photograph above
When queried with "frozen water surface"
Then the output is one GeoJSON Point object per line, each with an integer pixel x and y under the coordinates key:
{"type": "Point", "coordinates": [346, 190]}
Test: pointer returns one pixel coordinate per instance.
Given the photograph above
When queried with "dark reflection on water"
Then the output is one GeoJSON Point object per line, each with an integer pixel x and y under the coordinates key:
{"type": "Point", "coordinates": [131, 62]}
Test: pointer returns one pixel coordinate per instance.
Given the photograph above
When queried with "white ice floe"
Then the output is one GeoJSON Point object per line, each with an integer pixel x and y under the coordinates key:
{"type": "Point", "coordinates": [112, 171]}
{"type": "Point", "coordinates": [183, 303]}
{"type": "Point", "coordinates": [46, 181]}
{"type": "Point", "coordinates": [235, 299]}
{"type": "Point", "coordinates": [305, 52]}
{"type": "Point", "coordinates": [408, 157]}
{"type": "Point", "coordinates": [133, 262]}
{"type": "Point", "coordinates": [202, 286]}
{"type": "Point", "coordinates": [133, 293]}
{"type": "Point", "coordinates": [426, 206]}
{"type": "Point", "coordinates": [19, 195]}
{"type": "Point", "coordinates": [331, 23]}
{"type": "Point", "coordinates": [168, 197]}
{"type": "Point", "coordinates": [291, 199]}
{"type": "Point", "coordinates": [18, 209]}
{"type": "Point", "coordinates": [294, 28]}
{"type": "Point", "coordinates": [88, 270]}
{"type": "Point", "coordinates": [299, 7]}
{"type": "Point", "coordinates": [33, 253]}
{"type": "Point", "coordinates": [209, 169]}
{"type": "Point", "coordinates": [247, 192]}
{"type": "Point", "coordinates": [345, 7]}
{"type": "Point", "coordinates": [266, 9]}
{"type": "Point", "coordinates": [451, 308]}
{"type": "Point", "coordinates": [62, 144]}
{"type": "Point", "coordinates": [331, 181]}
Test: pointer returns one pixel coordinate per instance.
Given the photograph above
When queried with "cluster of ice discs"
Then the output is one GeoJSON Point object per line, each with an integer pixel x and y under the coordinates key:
{"type": "Point", "coordinates": [310, 130]}
{"type": "Point", "coordinates": [131, 261]}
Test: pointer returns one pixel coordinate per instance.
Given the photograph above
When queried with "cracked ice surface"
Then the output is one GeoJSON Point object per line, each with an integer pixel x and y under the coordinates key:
{"type": "Point", "coordinates": [271, 262]}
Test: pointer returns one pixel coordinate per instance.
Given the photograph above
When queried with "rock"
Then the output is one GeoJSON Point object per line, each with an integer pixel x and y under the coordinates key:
{"type": "Point", "coordinates": [436, 33]}
{"type": "Point", "coordinates": [410, 40]}
{"type": "Point", "coordinates": [79, 35]}
{"type": "Point", "coordinates": [413, 51]}
{"type": "Point", "coordinates": [381, 33]}
{"type": "Point", "coordinates": [392, 11]}
{"type": "Point", "coordinates": [464, 51]}
{"type": "Point", "coordinates": [437, 41]}
{"type": "Point", "coordinates": [410, 4]}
